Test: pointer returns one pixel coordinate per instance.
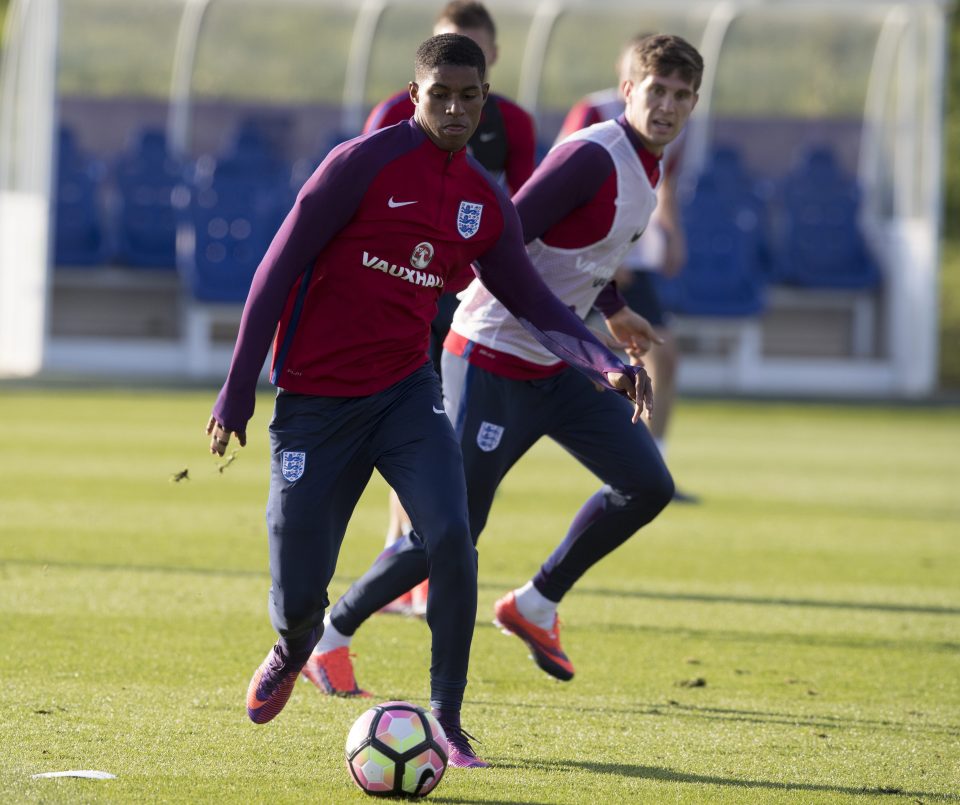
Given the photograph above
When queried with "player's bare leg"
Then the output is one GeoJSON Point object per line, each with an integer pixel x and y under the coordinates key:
{"type": "Point", "coordinates": [412, 602]}
{"type": "Point", "coordinates": [399, 522]}
{"type": "Point", "coordinates": [661, 364]}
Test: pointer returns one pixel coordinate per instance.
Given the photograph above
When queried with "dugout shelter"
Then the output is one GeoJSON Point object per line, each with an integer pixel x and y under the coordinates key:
{"type": "Point", "coordinates": [148, 149]}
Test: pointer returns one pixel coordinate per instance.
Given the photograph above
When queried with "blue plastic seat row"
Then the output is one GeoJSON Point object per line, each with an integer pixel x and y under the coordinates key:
{"type": "Point", "coordinates": [80, 238]}
{"type": "Point", "coordinates": [213, 221]}
{"type": "Point", "coordinates": [131, 215]}
{"type": "Point", "coordinates": [735, 252]}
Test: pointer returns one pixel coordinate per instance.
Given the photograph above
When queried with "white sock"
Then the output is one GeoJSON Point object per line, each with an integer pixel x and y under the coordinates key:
{"type": "Point", "coordinates": [534, 607]}
{"type": "Point", "coordinates": [332, 639]}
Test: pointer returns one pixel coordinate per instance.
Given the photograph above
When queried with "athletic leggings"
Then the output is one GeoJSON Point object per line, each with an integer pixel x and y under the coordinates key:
{"type": "Point", "coordinates": [324, 452]}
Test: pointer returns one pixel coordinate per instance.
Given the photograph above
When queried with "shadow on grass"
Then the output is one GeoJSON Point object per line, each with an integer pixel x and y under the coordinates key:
{"type": "Point", "coordinates": [109, 567]}
{"type": "Point", "coordinates": [501, 586]}
{"type": "Point", "coordinates": [462, 801]}
{"type": "Point", "coordinates": [656, 773]}
{"type": "Point", "coordinates": [791, 638]}
{"type": "Point", "coordinates": [673, 709]}
{"type": "Point", "coordinates": [704, 598]}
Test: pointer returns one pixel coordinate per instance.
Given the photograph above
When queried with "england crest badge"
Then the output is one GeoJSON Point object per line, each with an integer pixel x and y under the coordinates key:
{"type": "Point", "coordinates": [488, 436]}
{"type": "Point", "coordinates": [468, 218]}
{"type": "Point", "coordinates": [292, 464]}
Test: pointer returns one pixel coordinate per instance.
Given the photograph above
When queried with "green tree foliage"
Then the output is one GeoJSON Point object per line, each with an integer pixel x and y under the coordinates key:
{"type": "Point", "coordinates": [952, 164]}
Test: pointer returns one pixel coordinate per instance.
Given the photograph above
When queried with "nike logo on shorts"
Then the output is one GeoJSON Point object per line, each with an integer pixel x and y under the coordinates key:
{"type": "Point", "coordinates": [438, 410]}
{"type": "Point", "coordinates": [394, 204]}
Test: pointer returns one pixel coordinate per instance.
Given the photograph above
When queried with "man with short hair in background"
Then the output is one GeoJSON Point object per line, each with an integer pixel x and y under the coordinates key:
{"type": "Point", "coordinates": [505, 144]}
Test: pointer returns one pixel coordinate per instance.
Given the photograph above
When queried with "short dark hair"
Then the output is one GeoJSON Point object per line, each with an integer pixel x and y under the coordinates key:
{"type": "Point", "coordinates": [664, 54]}
{"type": "Point", "coordinates": [467, 14]}
{"type": "Point", "coordinates": [445, 49]}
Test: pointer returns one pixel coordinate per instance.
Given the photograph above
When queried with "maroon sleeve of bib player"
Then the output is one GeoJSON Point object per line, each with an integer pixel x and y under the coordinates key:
{"type": "Point", "coordinates": [571, 198]}
{"type": "Point", "coordinates": [566, 193]}
{"type": "Point", "coordinates": [506, 271]}
{"type": "Point", "coordinates": [609, 300]}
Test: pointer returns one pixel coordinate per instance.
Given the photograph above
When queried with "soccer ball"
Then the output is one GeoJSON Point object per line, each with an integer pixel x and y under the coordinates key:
{"type": "Point", "coordinates": [396, 749]}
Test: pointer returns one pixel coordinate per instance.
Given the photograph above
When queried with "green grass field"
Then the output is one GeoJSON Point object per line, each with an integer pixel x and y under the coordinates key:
{"type": "Point", "coordinates": [814, 592]}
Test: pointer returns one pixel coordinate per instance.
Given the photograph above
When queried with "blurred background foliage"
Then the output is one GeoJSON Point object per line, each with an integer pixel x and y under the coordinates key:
{"type": "Point", "coordinates": [952, 219]}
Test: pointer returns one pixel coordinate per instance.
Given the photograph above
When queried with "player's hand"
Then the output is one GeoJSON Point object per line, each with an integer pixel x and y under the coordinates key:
{"type": "Point", "coordinates": [638, 389]}
{"type": "Point", "coordinates": [220, 437]}
{"type": "Point", "coordinates": [635, 334]}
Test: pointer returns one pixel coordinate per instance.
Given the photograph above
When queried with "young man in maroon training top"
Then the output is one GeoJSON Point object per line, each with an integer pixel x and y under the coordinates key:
{"type": "Point", "coordinates": [346, 292]}
{"type": "Point", "coordinates": [505, 144]}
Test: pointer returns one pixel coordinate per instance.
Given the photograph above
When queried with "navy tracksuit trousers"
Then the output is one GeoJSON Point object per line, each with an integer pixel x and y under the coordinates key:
{"type": "Point", "coordinates": [324, 450]}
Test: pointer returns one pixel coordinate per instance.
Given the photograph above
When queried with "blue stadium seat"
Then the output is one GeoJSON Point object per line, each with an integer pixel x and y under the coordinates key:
{"type": "Point", "coordinates": [721, 277]}
{"type": "Point", "coordinates": [220, 242]}
{"type": "Point", "coordinates": [823, 245]}
{"type": "Point", "coordinates": [146, 176]}
{"type": "Point", "coordinates": [724, 225]}
{"type": "Point", "coordinates": [726, 167]}
{"type": "Point", "coordinates": [228, 212]}
{"type": "Point", "coordinates": [253, 155]}
{"type": "Point", "coordinates": [79, 235]}
{"type": "Point", "coordinates": [225, 224]}
{"type": "Point", "coordinates": [748, 198]}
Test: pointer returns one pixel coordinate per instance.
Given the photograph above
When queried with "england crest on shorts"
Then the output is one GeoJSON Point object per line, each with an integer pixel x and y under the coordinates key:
{"type": "Point", "coordinates": [468, 218]}
{"type": "Point", "coordinates": [292, 464]}
{"type": "Point", "coordinates": [488, 437]}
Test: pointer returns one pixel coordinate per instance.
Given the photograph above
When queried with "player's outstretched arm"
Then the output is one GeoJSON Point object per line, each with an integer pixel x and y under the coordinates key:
{"type": "Point", "coordinates": [633, 331]}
